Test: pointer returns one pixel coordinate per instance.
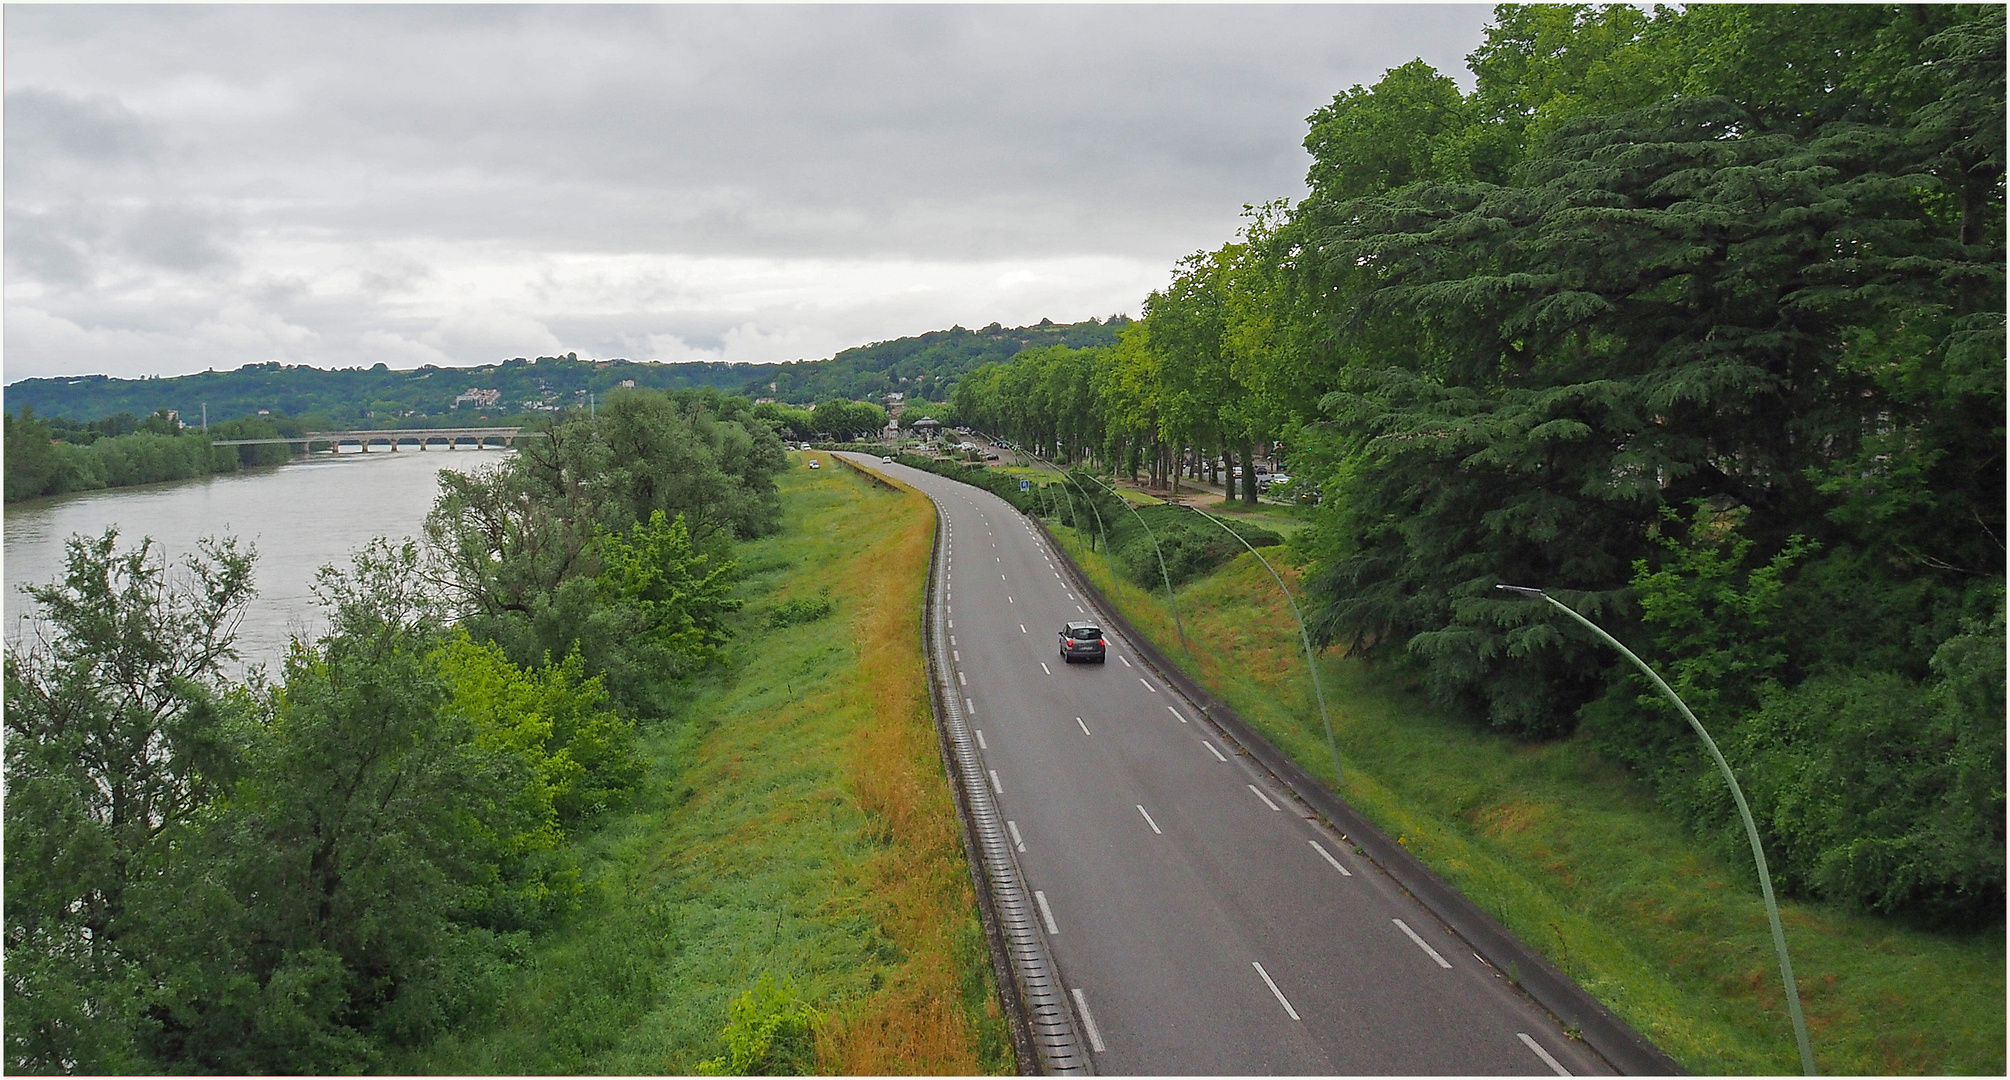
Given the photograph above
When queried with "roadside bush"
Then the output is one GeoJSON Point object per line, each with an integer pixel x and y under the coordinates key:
{"type": "Point", "coordinates": [1192, 545]}
{"type": "Point", "coordinates": [771, 1032]}
{"type": "Point", "coordinates": [1004, 485]}
{"type": "Point", "coordinates": [807, 609]}
{"type": "Point", "coordinates": [1872, 785]}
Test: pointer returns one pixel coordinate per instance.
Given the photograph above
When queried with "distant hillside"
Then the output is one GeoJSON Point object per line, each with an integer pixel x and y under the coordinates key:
{"type": "Point", "coordinates": [377, 395]}
{"type": "Point", "coordinates": [927, 366]}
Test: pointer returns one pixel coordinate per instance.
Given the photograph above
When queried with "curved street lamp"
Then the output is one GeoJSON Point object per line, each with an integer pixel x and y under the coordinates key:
{"type": "Point", "coordinates": [1744, 812]}
{"type": "Point", "coordinates": [1311, 658]}
{"type": "Point", "coordinates": [1171, 599]}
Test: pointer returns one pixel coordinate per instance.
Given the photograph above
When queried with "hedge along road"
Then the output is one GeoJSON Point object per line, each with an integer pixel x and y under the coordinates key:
{"type": "Point", "coordinates": [1202, 921]}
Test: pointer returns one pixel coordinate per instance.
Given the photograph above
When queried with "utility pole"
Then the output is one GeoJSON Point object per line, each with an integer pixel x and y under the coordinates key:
{"type": "Point", "coordinates": [205, 418]}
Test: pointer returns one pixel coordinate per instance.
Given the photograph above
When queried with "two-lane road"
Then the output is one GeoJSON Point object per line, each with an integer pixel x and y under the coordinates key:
{"type": "Point", "coordinates": [1201, 920]}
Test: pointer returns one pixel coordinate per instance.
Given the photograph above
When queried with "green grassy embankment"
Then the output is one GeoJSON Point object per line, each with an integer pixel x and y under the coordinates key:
{"type": "Point", "coordinates": [1565, 851]}
{"type": "Point", "coordinates": [796, 823]}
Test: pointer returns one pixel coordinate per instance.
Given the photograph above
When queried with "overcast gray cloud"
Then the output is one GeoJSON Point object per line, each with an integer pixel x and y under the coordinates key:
{"type": "Point", "coordinates": [193, 187]}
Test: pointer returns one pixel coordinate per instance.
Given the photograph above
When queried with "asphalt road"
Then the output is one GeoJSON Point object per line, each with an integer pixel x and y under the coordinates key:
{"type": "Point", "coordinates": [1202, 921]}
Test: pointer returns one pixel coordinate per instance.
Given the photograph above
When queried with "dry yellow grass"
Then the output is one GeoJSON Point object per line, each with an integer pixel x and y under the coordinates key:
{"type": "Point", "coordinates": [915, 1023]}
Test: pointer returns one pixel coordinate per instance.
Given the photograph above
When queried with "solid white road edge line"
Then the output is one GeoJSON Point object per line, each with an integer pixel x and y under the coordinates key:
{"type": "Point", "coordinates": [1212, 750]}
{"type": "Point", "coordinates": [1254, 790]}
{"type": "Point", "coordinates": [1046, 913]}
{"type": "Point", "coordinates": [1288, 1010]}
{"type": "Point", "coordinates": [1344, 872]}
{"type": "Point", "coordinates": [1017, 841]}
{"type": "Point", "coordinates": [1421, 943]}
{"type": "Point", "coordinates": [1553, 1064]}
{"type": "Point", "coordinates": [1148, 817]}
{"type": "Point", "coordinates": [1088, 1022]}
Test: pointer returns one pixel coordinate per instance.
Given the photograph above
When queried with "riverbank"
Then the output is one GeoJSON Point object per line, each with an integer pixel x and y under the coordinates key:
{"type": "Point", "coordinates": [301, 516]}
{"type": "Point", "coordinates": [1577, 861]}
{"type": "Point", "coordinates": [796, 824]}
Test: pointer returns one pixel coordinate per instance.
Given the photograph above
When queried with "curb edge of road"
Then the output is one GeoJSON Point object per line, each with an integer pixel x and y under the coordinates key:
{"type": "Point", "coordinates": [1598, 1027]}
{"type": "Point", "coordinates": [1006, 968]}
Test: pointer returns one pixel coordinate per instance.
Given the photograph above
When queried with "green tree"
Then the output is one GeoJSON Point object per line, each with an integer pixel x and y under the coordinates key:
{"type": "Point", "coordinates": [115, 747]}
{"type": "Point", "coordinates": [340, 895]}
{"type": "Point", "coordinates": [33, 467]}
{"type": "Point", "coordinates": [846, 420]}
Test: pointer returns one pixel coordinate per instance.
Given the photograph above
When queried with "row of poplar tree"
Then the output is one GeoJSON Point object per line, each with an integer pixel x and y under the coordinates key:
{"type": "Point", "coordinates": [1694, 317]}
{"type": "Point", "coordinates": [297, 871]}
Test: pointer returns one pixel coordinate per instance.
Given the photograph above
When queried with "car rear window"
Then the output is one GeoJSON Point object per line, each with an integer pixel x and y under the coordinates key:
{"type": "Point", "coordinates": [1085, 633]}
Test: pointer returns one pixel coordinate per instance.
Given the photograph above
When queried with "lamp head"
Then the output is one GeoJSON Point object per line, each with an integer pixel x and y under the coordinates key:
{"type": "Point", "coordinates": [1522, 590]}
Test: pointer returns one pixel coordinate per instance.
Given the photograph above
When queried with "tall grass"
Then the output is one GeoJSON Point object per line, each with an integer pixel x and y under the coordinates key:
{"type": "Point", "coordinates": [797, 824]}
{"type": "Point", "coordinates": [1577, 860]}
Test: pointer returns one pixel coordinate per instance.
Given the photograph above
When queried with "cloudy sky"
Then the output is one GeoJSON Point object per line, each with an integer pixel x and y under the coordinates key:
{"type": "Point", "coordinates": [213, 186]}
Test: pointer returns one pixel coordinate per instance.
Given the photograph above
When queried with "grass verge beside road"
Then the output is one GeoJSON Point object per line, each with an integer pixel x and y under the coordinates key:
{"type": "Point", "coordinates": [1572, 857]}
{"type": "Point", "coordinates": [797, 823]}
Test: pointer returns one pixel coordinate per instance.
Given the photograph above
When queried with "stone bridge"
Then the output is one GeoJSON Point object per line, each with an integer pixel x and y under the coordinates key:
{"type": "Point", "coordinates": [481, 437]}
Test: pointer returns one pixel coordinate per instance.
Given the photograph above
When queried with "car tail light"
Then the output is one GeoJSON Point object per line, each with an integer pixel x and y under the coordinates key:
{"type": "Point", "coordinates": [1103, 644]}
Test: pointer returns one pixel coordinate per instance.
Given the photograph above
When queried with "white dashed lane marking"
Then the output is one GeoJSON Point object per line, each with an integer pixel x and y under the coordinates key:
{"type": "Point", "coordinates": [1328, 856]}
{"type": "Point", "coordinates": [1421, 943]}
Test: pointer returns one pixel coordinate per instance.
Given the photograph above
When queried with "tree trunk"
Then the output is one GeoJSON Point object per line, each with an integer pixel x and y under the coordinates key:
{"type": "Point", "coordinates": [1248, 475]}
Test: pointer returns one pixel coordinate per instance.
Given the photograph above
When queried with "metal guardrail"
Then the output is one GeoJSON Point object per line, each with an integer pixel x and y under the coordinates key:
{"type": "Point", "coordinates": [1045, 1036]}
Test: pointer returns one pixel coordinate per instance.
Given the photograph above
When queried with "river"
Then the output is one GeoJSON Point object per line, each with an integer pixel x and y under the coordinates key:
{"type": "Point", "coordinates": [300, 516]}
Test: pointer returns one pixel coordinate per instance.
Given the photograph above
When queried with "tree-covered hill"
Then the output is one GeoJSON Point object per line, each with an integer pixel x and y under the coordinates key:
{"type": "Point", "coordinates": [378, 396]}
{"type": "Point", "coordinates": [925, 366]}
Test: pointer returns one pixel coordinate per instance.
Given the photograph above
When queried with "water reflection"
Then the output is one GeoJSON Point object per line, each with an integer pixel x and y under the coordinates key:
{"type": "Point", "coordinates": [300, 516]}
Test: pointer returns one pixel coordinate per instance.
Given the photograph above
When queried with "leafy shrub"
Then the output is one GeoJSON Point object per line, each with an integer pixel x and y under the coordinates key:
{"type": "Point", "coordinates": [770, 1032]}
{"type": "Point", "coordinates": [1882, 792]}
{"type": "Point", "coordinates": [1191, 545]}
{"type": "Point", "coordinates": [807, 609]}
{"type": "Point", "coordinates": [1872, 787]}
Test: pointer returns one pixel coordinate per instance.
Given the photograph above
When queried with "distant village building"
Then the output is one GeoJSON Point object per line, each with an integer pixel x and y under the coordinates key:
{"type": "Point", "coordinates": [764, 401]}
{"type": "Point", "coordinates": [484, 398]}
{"type": "Point", "coordinates": [628, 384]}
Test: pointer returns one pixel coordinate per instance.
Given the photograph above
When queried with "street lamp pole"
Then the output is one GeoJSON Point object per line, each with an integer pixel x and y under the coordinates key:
{"type": "Point", "coordinates": [1304, 636]}
{"type": "Point", "coordinates": [1744, 812]}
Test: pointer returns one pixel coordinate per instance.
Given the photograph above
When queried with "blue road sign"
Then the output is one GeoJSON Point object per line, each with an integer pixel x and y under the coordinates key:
{"type": "Point", "coordinates": [1025, 485]}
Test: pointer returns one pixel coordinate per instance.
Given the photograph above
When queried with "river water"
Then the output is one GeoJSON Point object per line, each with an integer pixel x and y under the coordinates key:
{"type": "Point", "coordinates": [300, 516]}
